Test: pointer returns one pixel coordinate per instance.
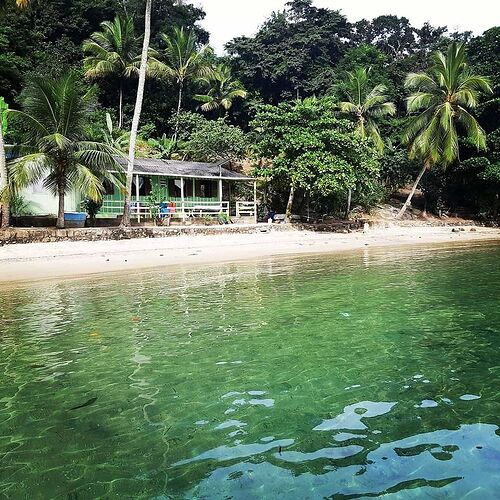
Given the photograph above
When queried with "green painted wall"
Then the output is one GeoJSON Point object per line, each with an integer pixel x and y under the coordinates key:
{"type": "Point", "coordinates": [111, 202]}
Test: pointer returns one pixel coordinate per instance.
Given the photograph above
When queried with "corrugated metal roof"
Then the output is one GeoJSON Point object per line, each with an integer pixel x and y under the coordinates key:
{"type": "Point", "coordinates": [175, 168]}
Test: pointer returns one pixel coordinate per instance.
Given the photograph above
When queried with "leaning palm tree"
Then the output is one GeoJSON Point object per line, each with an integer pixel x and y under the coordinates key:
{"type": "Point", "coordinates": [113, 51]}
{"type": "Point", "coordinates": [222, 90]}
{"type": "Point", "coordinates": [143, 68]}
{"type": "Point", "coordinates": [184, 60]}
{"type": "Point", "coordinates": [365, 104]}
{"type": "Point", "coordinates": [443, 98]}
{"type": "Point", "coordinates": [53, 117]}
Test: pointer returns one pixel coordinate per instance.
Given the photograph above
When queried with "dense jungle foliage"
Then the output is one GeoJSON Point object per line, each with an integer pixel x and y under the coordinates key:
{"type": "Point", "coordinates": [314, 101]}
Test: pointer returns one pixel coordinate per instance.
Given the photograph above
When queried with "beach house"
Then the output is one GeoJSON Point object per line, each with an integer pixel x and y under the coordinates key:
{"type": "Point", "coordinates": [189, 190]}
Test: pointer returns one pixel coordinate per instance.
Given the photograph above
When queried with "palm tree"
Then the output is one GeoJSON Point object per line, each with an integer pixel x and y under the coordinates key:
{"type": "Point", "coordinates": [53, 116]}
{"type": "Point", "coordinates": [222, 90]}
{"type": "Point", "coordinates": [137, 114]}
{"type": "Point", "coordinates": [365, 104]}
{"type": "Point", "coordinates": [113, 51]}
{"type": "Point", "coordinates": [443, 98]}
{"type": "Point", "coordinates": [184, 61]}
{"type": "Point", "coordinates": [4, 199]}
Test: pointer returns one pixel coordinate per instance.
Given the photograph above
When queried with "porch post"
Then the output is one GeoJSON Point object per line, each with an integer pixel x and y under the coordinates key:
{"type": "Point", "coordinates": [220, 193]}
{"type": "Point", "coordinates": [137, 198]}
{"type": "Point", "coordinates": [182, 198]}
{"type": "Point", "coordinates": [255, 201]}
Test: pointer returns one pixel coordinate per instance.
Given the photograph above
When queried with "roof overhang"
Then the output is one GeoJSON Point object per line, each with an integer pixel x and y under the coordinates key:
{"type": "Point", "coordinates": [183, 169]}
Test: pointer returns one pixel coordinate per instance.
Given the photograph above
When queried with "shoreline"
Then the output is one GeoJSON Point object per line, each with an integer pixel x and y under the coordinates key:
{"type": "Point", "coordinates": [73, 259]}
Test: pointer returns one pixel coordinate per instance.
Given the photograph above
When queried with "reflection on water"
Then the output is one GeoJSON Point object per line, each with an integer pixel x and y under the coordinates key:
{"type": "Point", "coordinates": [357, 375]}
{"type": "Point", "coordinates": [465, 460]}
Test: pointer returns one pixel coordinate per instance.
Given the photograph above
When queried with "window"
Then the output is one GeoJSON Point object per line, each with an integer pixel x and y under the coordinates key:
{"type": "Point", "coordinates": [205, 188]}
{"type": "Point", "coordinates": [174, 188]}
{"type": "Point", "coordinates": [144, 185]}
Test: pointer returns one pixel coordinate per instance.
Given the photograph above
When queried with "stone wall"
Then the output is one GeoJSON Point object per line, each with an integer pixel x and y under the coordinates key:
{"type": "Point", "coordinates": [15, 235]}
{"type": "Point", "coordinates": [45, 235]}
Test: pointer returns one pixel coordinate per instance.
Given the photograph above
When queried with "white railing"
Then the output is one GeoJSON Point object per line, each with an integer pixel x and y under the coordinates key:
{"type": "Point", "coordinates": [174, 209]}
{"type": "Point", "coordinates": [246, 209]}
{"type": "Point", "coordinates": [202, 208]}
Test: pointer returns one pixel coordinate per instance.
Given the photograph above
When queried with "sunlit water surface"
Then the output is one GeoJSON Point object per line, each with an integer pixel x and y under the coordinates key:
{"type": "Point", "coordinates": [309, 377]}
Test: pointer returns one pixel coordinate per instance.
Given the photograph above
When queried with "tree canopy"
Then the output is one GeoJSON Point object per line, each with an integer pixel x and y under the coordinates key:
{"type": "Point", "coordinates": [300, 52]}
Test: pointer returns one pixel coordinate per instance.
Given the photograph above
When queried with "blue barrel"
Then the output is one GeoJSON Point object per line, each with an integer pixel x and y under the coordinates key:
{"type": "Point", "coordinates": [74, 219]}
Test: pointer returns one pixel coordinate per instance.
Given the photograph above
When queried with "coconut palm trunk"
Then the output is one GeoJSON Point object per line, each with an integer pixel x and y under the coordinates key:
{"type": "Point", "coordinates": [120, 106]}
{"type": "Point", "coordinates": [289, 205]}
{"type": "Point", "coordinates": [60, 212]}
{"type": "Point", "coordinates": [179, 107]}
{"type": "Point", "coordinates": [137, 114]}
{"type": "Point", "coordinates": [4, 204]}
{"type": "Point", "coordinates": [412, 192]}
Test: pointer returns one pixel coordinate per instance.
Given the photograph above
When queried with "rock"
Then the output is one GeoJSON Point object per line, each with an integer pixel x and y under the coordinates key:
{"type": "Point", "coordinates": [473, 229]}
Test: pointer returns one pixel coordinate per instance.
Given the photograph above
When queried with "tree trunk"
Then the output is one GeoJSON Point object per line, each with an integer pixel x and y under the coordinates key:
{"type": "Point", "coordinates": [412, 192]}
{"type": "Point", "coordinates": [348, 208]}
{"type": "Point", "coordinates": [289, 205]}
{"type": "Point", "coordinates": [137, 114]}
{"type": "Point", "coordinates": [4, 203]}
{"type": "Point", "coordinates": [60, 213]}
{"type": "Point", "coordinates": [120, 106]}
{"type": "Point", "coordinates": [179, 106]}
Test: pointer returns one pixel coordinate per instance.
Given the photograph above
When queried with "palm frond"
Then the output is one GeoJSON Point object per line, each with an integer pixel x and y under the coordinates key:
{"type": "Point", "coordinates": [419, 100]}
{"type": "Point", "coordinates": [444, 94]}
{"type": "Point", "coordinates": [33, 123]}
{"type": "Point", "coordinates": [348, 107]}
{"type": "Point", "coordinates": [54, 142]}
{"type": "Point", "coordinates": [449, 137]}
{"type": "Point", "coordinates": [422, 81]}
{"type": "Point", "coordinates": [374, 133]}
{"type": "Point", "coordinates": [84, 179]}
{"type": "Point", "coordinates": [28, 169]}
{"type": "Point", "coordinates": [474, 131]}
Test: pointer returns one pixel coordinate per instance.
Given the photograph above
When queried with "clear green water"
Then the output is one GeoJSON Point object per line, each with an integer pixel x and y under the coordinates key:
{"type": "Point", "coordinates": [287, 378]}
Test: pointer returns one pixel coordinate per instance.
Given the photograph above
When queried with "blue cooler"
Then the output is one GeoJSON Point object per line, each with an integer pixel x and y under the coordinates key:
{"type": "Point", "coordinates": [74, 219]}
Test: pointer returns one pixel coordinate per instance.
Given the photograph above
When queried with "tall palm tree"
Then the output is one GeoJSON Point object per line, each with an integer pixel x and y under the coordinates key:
{"type": "Point", "coordinates": [222, 90]}
{"type": "Point", "coordinates": [4, 199]}
{"type": "Point", "coordinates": [53, 116]}
{"type": "Point", "coordinates": [113, 51]}
{"type": "Point", "coordinates": [184, 60]}
{"type": "Point", "coordinates": [137, 114]}
{"type": "Point", "coordinates": [364, 104]}
{"type": "Point", "coordinates": [443, 98]}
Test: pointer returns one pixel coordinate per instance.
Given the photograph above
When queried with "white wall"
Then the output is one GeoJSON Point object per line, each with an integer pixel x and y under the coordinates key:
{"type": "Point", "coordinates": [43, 202]}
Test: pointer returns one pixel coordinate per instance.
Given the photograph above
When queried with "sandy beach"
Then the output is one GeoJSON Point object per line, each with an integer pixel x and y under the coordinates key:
{"type": "Point", "coordinates": [37, 261]}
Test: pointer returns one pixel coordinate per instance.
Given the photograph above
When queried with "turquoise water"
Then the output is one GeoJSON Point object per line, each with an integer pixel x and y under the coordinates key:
{"type": "Point", "coordinates": [332, 376]}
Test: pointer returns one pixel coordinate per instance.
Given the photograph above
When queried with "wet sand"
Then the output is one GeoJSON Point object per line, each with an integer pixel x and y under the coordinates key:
{"type": "Point", "coordinates": [37, 261]}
